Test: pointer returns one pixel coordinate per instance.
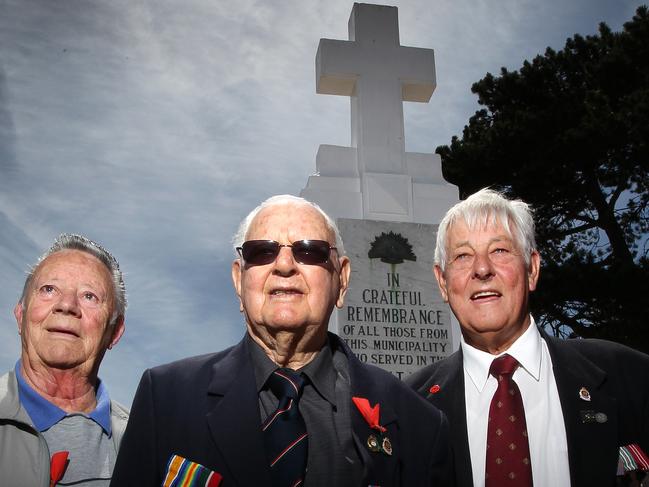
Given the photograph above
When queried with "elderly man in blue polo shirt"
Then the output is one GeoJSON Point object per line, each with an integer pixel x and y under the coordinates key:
{"type": "Point", "coordinates": [57, 424]}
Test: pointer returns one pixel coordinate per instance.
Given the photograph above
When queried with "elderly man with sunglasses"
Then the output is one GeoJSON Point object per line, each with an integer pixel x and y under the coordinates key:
{"type": "Point", "coordinates": [290, 404]}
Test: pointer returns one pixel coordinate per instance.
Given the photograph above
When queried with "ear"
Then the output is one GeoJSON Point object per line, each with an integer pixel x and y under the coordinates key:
{"type": "Point", "coordinates": [343, 277]}
{"type": "Point", "coordinates": [236, 280]}
{"type": "Point", "coordinates": [18, 313]}
{"type": "Point", "coordinates": [534, 271]}
{"type": "Point", "coordinates": [118, 331]}
{"type": "Point", "coordinates": [441, 282]}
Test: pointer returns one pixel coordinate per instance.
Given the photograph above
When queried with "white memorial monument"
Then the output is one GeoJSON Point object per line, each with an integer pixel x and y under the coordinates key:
{"type": "Point", "coordinates": [386, 201]}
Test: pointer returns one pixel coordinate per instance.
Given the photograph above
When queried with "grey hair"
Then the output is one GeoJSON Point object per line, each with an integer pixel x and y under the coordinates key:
{"type": "Point", "coordinates": [489, 207]}
{"type": "Point", "coordinates": [70, 241]}
{"type": "Point", "coordinates": [244, 226]}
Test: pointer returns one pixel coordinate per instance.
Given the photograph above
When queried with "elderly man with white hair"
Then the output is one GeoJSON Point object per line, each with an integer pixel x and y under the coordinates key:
{"type": "Point", "coordinates": [58, 425]}
{"type": "Point", "coordinates": [525, 408]}
{"type": "Point", "coordinates": [290, 404]}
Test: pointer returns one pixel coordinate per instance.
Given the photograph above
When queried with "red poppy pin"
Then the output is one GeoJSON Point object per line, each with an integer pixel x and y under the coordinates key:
{"type": "Point", "coordinates": [434, 389]}
{"type": "Point", "coordinates": [375, 442]}
{"type": "Point", "coordinates": [58, 463]}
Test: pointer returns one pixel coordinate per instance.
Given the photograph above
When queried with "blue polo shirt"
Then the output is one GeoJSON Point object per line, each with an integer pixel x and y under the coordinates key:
{"type": "Point", "coordinates": [44, 414]}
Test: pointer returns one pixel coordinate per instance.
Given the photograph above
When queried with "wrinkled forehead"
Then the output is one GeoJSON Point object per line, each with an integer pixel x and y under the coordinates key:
{"type": "Point", "coordinates": [492, 222]}
{"type": "Point", "coordinates": [289, 222]}
{"type": "Point", "coordinates": [83, 264]}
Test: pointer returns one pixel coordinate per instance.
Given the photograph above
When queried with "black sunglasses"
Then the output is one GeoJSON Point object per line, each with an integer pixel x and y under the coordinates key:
{"type": "Point", "coordinates": [262, 252]}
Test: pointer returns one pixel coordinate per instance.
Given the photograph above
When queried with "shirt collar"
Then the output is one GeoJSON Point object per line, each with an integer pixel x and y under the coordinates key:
{"type": "Point", "coordinates": [320, 371]}
{"type": "Point", "coordinates": [526, 350]}
{"type": "Point", "coordinates": [261, 364]}
{"type": "Point", "coordinates": [44, 414]}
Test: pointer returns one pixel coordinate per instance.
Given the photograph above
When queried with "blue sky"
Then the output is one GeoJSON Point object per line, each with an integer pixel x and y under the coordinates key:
{"type": "Point", "coordinates": [153, 127]}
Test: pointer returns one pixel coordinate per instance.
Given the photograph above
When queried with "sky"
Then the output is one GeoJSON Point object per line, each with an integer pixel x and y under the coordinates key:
{"type": "Point", "coordinates": [154, 127]}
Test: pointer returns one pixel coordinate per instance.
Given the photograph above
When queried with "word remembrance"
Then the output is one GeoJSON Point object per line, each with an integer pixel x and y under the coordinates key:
{"type": "Point", "coordinates": [394, 316]}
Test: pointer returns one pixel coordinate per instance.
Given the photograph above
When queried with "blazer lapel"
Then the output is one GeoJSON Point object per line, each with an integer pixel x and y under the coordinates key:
{"type": "Point", "coordinates": [591, 425]}
{"type": "Point", "coordinates": [379, 467]}
{"type": "Point", "coordinates": [234, 421]}
{"type": "Point", "coordinates": [449, 397]}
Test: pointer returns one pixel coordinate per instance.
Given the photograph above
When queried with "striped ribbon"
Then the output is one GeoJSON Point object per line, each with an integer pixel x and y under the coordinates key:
{"type": "Point", "coordinates": [633, 458]}
{"type": "Point", "coordinates": [184, 473]}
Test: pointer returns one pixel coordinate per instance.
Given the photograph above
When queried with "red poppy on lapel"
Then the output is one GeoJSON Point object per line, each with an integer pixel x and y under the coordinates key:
{"type": "Point", "coordinates": [434, 389]}
{"type": "Point", "coordinates": [370, 414]}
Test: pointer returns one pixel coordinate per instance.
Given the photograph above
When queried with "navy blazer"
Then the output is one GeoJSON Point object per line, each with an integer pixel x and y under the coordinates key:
{"type": "Point", "coordinates": [206, 409]}
{"type": "Point", "coordinates": [617, 378]}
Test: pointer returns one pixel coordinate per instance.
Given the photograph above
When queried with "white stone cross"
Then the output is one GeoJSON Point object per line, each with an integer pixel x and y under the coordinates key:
{"type": "Point", "coordinates": [378, 74]}
{"type": "Point", "coordinates": [375, 178]}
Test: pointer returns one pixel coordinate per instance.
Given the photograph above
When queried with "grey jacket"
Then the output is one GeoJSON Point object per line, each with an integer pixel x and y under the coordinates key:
{"type": "Point", "coordinates": [24, 455]}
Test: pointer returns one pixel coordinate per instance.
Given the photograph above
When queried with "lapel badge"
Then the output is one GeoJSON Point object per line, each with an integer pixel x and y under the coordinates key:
{"type": "Point", "coordinates": [434, 389]}
{"type": "Point", "coordinates": [590, 416]}
{"type": "Point", "coordinates": [379, 443]}
{"type": "Point", "coordinates": [584, 395]}
{"type": "Point", "coordinates": [386, 446]}
{"type": "Point", "coordinates": [373, 443]}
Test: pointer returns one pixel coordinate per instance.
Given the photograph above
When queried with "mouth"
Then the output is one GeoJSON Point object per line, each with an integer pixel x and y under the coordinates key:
{"type": "Point", "coordinates": [285, 292]}
{"type": "Point", "coordinates": [485, 295]}
{"type": "Point", "coordinates": [63, 332]}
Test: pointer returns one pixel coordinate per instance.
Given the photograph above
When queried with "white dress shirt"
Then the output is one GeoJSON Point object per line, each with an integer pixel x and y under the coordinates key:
{"type": "Point", "coordinates": [545, 427]}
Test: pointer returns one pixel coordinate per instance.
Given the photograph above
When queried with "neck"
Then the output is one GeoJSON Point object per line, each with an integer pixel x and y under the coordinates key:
{"type": "Point", "coordinates": [290, 349]}
{"type": "Point", "coordinates": [66, 388]}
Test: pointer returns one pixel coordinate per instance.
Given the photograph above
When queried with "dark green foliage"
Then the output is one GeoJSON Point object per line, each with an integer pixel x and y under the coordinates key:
{"type": "Point", "coordinates": [569, 134]}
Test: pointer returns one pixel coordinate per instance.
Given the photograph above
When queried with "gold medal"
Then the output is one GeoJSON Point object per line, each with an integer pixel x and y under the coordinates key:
{"type": "Point", "coordinates": [373, 443]}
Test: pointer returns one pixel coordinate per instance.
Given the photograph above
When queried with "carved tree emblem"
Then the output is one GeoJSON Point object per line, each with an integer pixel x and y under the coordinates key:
{"type": "Point", "coordinates": [391, 248]}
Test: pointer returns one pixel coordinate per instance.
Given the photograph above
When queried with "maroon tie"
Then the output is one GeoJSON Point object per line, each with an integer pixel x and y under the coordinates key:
{"type": "Point", "coordinates": [508, 451]}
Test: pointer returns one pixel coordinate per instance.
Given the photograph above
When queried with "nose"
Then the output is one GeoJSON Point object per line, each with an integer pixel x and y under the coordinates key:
{"type": "Point", "coordinates": [482, 267]}
{"type": "Point", "coordinates": [285, 264]}
{"type": "Point", "coordinates": [68, 304]}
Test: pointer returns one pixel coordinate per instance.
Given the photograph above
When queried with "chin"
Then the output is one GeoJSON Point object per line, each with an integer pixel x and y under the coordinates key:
{"type": "Point", "coordinates": [496, 328]}
{"type": "Point", "coordinates": [291, 326]}
{"type": "Point", "coordinates": [62, 364]}
{"type": "Point", "coordinates": [286, 318]}
{"type": "Point", "coordinates": [58, 358]}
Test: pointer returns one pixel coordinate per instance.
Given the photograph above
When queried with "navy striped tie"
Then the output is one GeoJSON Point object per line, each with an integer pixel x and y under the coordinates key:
{"type": "Point", "coordinates": [284, 430]}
